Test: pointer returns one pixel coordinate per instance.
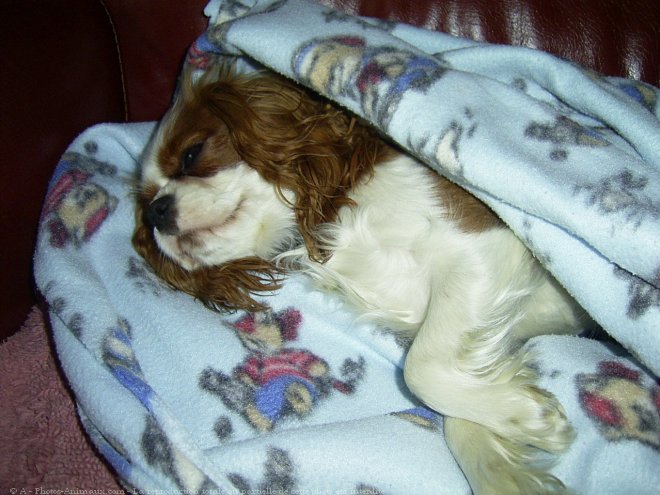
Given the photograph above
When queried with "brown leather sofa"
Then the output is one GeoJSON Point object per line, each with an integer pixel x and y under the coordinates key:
{"type": "Point", "coordinates": [68, 64]}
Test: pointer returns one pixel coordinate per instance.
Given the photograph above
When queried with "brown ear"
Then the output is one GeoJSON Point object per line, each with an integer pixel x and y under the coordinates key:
{"type": "Point", "coordinates": [227, 287]}
{"type": "Point", "coordinates": [232, 286]}
{"type": "Point", "coordinates": [297, 141]}
{"type": "Point", "coordinates": [338, 155]}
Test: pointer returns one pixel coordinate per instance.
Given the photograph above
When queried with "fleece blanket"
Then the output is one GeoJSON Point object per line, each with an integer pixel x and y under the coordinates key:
{"type": "Point", "coordinates": [305, 398]}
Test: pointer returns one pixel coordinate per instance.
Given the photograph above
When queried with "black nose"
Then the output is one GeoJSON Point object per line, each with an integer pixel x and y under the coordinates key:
{"type": "Point", "coordinates": [161, 214]}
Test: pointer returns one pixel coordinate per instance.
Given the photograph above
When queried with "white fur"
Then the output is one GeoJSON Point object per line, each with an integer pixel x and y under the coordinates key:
{"type": "Point", "coordinates": [231, 215]}
{"type": "Point", "coordinates": [463, 299]}
{"type": "Point", "coordinates": [466, 300]}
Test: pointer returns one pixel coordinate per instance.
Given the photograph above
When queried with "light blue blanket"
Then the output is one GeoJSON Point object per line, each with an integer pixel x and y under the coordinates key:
{"type": "Point", "coordinates": [304, 399]}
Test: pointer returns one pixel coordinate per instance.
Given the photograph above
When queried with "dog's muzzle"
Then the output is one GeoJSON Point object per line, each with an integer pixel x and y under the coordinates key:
{"type": "Point", "coordinates": [161, 214]}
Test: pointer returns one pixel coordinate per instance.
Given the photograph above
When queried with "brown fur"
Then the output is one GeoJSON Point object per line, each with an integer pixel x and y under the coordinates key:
{"type": "Point", "coordinates": [470, 214]}
{"type": "Point", "coordinates": [227, 287]}
{"type": "Point", "coordinates": [294, 139]}
{"type": "Point", "coordinates": [298, 142]}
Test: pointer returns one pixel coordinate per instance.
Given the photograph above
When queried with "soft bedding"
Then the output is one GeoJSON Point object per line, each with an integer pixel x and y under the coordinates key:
{"type": "Point", "coordinates": [305, 398]}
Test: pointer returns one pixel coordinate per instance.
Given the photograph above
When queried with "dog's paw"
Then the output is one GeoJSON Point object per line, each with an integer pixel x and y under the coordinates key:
{"type": "Point", "coordinates": [494, 465]}
{"type": "Point", "coordinates": [540, 421]}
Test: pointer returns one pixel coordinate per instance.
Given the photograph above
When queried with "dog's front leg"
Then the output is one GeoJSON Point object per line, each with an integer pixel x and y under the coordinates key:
{"type": "Point", "coordinates": [464, 364]}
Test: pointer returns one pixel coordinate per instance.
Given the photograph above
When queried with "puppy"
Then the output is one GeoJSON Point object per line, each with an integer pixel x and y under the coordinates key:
{"type": "Point", "coordinates": [247, 174]}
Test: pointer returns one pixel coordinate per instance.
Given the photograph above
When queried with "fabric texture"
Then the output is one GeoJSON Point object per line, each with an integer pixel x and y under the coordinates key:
{"type": "Point", "coordinates": [305, 398]}
{"type": "Point", "coordinates": [43, 446]}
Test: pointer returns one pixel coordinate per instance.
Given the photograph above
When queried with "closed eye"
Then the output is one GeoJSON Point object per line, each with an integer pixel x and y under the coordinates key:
{"type": "Point", "coordinates": [189, 157]}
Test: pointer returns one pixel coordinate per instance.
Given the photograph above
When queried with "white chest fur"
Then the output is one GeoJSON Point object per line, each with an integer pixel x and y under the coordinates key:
{"type": "Point", "coordinates": [398, 248]}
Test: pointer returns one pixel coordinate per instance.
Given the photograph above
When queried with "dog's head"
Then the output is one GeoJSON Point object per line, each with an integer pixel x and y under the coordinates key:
{"type": "Point", "coordinates": [240, 169]}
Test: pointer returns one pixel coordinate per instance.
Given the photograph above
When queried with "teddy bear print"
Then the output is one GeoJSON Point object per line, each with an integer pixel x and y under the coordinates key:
{"type": "Point", "coordinates": [376, 76]}
{"type": "Point", "coordinates": [75, 206]}
{"type": "Point", "coordinates": [274, 381]}
{"type": "Point", "coordinates": [564, 133]}
{"type": "Point", "coordinates": [621, 405]}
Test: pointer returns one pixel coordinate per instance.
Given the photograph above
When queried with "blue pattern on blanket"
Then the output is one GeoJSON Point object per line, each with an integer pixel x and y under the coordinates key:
{"type": "Point", "coordinates": [75, 205]}
{"type": "Point", "coordinates": [274, 381]}
{"type": "Point", "coordinates": [377, 76]}
{"type": "Point", "coordinates": [527, 133]}
{"type": "Point", "coordinates": [119, 356]}
{"type": "Point", "coordinates": [304, 398]}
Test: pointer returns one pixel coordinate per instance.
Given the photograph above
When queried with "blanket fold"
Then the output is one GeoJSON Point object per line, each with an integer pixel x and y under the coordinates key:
{"type": "Point", "coordinates": [549, 146]}
{"type": "Point", "coordinates": [177, 398]}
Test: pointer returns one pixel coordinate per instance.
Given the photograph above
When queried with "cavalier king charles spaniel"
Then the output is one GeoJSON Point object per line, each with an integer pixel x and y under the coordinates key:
{"type": "Point", "coordinates": [250, 176]}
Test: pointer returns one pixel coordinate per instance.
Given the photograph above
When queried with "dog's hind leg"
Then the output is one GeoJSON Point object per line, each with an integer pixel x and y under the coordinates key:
{"type": "Point", "coordinates": [501, 429]}
{"type": "Point", "coordinates": [464, 363]}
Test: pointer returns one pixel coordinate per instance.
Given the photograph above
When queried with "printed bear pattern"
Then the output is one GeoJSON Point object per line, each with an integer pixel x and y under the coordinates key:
{"type": "Point", "coordinates": [119, 357]}
{"type": "Point", "coordinates": [563, 133]}
{"type": "Point", "coordinates": [641, 92]}
{"type": "Point", "coordinates": [643, 296]}
{"type": "Point", "coordinates": [376, 77]}
{"type": "Point", "coordinates": [76, 206]}
{"type": "Point", "coordinates": [624, 193]}
{"type": "Point", "coordinates": [422, 417]}
{"type": "Point", "coordinates": [279, 477]}
{"type": "Point", "coordinates": [276, 381]}
{"type": "Point", "coordinates": [73, 319]}
{"type": "Point", "coordinates": [144, 278]}
{"type": "Point", "coordinates": [162, 454]}
{"type": "Point", "coordinates": [621, 404]}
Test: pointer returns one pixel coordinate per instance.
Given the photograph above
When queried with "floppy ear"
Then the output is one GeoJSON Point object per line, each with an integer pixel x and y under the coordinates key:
{"type": "Point", "coordinates": [232, 286]}
{"type": "Point", "coordinates": [227, 287]}
{"type": "Point", "coordinates": [337, 154]}
{"type": "Point", "coordinates": [299, 142]}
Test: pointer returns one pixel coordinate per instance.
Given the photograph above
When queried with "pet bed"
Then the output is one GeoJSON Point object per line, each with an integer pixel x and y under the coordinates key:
{"type": "Point", "coordinates": [305, 398]}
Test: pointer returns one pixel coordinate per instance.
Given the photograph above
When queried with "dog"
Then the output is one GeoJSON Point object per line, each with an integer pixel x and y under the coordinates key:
{"type": "Point", "coordinates": [250, 176]}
